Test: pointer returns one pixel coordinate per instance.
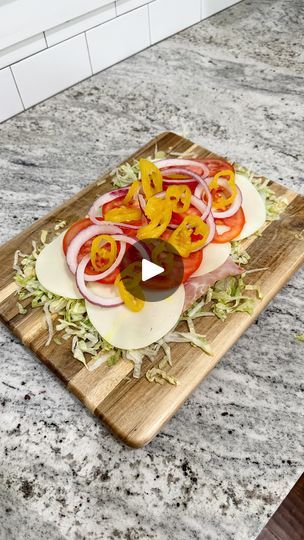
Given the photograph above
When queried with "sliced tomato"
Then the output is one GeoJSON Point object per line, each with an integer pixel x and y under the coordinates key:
{"type": "Point", "coordinates": [131, 232]}
{"type": "Point", "coordinates": [115, 203]}
{"type": "Point", "coordinates": [235, 224]}
{"type": "Point", "coordinates": [110, 279]}
{"type": "Point", "coordinates": [85, 250]}
{"type": "Point", "coordinates": [73, 231]}
{"type": "Point", "coordinates": [216, 165]}
{"type": "Point", "coordinates": [179, 177]}
{"type": "Point", "coordinates": [178, 218]}
{"type": "Point", "coordinates": [190, 263]}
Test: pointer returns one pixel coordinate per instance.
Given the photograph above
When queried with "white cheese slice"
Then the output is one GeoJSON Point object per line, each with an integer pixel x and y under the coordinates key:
{"type": "Point", "coordinates": [53, 272]}
{"type": "Point", "coordinates": [221, 229]}
{"type": "Point", "coordinates": [214, 255]}
{"type": "Point", "coordinates": [125, 329]}
{"type": "Point", "coordinates": [253, 206]}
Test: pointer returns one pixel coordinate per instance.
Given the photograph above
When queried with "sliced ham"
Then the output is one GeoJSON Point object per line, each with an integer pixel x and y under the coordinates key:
{"type": "Point", "coordinates": [198, 286]}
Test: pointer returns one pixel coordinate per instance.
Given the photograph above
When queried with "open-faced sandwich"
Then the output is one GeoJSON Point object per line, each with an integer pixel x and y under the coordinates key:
{"type": "Point", "coordinates": [88, 277]}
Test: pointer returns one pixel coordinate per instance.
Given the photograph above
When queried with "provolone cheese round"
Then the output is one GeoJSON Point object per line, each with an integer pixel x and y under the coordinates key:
{"type": "Point", "coordinates": [214, 255]}
{"type": "Point", "coordinates": [253, 206]}
{"type": "Point", "coordinates": [125, 329]}
{"type": "Point", "coordinates": [53, 272]}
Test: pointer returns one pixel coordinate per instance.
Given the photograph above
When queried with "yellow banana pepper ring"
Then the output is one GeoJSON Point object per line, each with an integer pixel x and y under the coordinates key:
{"type": "Point", "coordinates": [151, 178]}
{"type": "Point", "coordinates": [155, 206]}
{"type": "Point", "coordinates": [159, 212]}
{"type": "Point", "coordinates": [123, 214]}
{"type": "Point", "coordinates": [179, 198]}
{"type": "Point", "coordinates": [130, 301]}
{"type": "Point", "coordinates": [132, 274]}
{"type": "Point", "coordinates": [181, 237]}
{"type": "Point", "coordinates": [133, 191]}
{"type": "Point", "coordinates": [222, 201]}
{"type": "Point", "coordinates": [101, 257]}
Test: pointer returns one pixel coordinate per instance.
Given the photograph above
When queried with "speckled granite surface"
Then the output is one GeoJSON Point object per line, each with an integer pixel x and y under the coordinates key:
{"type": "Point", "coordinates": [220, 468]}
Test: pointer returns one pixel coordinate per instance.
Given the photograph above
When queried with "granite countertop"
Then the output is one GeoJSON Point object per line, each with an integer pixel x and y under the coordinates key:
{"type": "Point", "coordinates": [233, 83]}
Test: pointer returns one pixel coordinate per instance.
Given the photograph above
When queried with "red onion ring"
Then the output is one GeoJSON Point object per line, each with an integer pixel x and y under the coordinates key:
{"type": "Point", "coordinates": [103, 199]}
{"type": "Point", "coordinates": [180, 162]}
{"type": "Point", "coordinates": [98, 221]}
{"type": "Point", "coordinates": [212, 228]}
{"type": "Point", "coordinates": [123, 239]}
{"type": "Point", "coordinates": [116, 263]}
{"type": "Point", "coordinates": [142, 202]}
{"type": "Point", "coordinates": [89, 295]}
{"type": "Point", "coordinates": [200, 181]}
{"type": "Point", "coordinates": [198, 191]}
{"type": "Point", "coordinates": [233, 208]}
{"type": "Point", "coordinates": [134, 242]}
{"type": "Point", "coordinates": [118, 224]}
{"type": "Point", "coordinates": [82, 237]}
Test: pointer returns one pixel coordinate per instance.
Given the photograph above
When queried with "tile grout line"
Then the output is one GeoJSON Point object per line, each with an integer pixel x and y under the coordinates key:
{"type": "Point", "coordinates": [149, 23]}
{"type": "Point", "coordinates": [19, 93]}
{"type": "Point", "coordinates": [88, 49]}
{"type": "Point", "coordinates": [46, 43]}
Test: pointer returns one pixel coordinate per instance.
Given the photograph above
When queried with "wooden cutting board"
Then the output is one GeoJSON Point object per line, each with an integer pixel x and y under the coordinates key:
{"type": "Point", "coordinates": [136, 410]}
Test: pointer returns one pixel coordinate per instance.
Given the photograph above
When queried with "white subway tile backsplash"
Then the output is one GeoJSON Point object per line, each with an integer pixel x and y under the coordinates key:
{"type": "Point", "coordinates": [52, 45]}
{"type": "Point", "coordinates": [10, 102]}
{"type": "Point", "coordinates": [21, 50]}
{"type": "Point", "coordinates": [123, 6]}
{"type": "Point", "coordinates": [209, 7]}
{"type": "Point", "coordinates": [52, 70]}
{"type": "Point", "coordinates": [170, 16]}
{"type": "Point", "coordinates": [118, 39]}
{"type": "Point", "coordinates": [22, 19]}
{"type": "Point", "coordinates": [80, 24]}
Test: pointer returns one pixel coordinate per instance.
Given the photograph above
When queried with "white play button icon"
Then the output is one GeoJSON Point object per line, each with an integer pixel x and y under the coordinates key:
{"type": "Point", "coordinates": [149, 270]}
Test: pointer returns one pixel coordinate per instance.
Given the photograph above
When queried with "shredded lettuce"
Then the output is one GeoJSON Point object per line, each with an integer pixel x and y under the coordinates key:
{"type": "Point", "coordinates": [113, 358]}
{"type": "Point", "coordinates": [198, 340]}
{"type": "Point", "coordinates": [101, 182]}
{"type": "Point", "coordinates": [137, 358]}
{"type": "Point", "coordinates": [225, 297]}
{"type": "Point", "coordinates": [275, 205]}
{"type": "Point", "coordinates": [300, 235]}
{"type": "Point", "coordinates": [127, 173]}
{"type": "Point", "coordinates": [228, 296]}
{"type": "Point", "coordinates": [21, 309]}
{"type": "Point", "coordinates": [60, 225]}
{"type": "Point", "coordinates": [159, 375]}
{"type": "Point", "coordinates": [49, 322]}
{"type": "Point", "coordinates": [238, 254]}
{"type": "Point", "coordinates": [70, 315]}
{"type": "Point", "coordinates": [43, 236]}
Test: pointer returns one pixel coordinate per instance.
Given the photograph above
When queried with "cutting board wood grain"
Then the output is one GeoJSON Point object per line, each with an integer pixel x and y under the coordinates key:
{"type": "Point", "coordinates": [136, 410]}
